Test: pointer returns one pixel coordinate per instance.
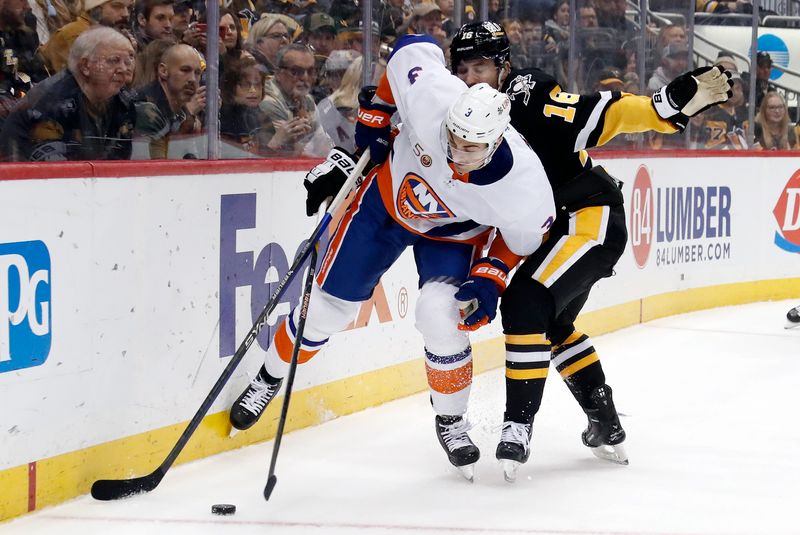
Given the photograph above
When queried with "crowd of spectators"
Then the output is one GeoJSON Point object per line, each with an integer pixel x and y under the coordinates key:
{"type": "Point", "coordinates": [121, 79]}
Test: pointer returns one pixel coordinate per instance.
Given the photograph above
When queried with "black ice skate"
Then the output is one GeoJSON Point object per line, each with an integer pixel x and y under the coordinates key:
{"type": "Point", "coordinates": [514, 448]}
{"type": "Point", "coordinates": [793, 318]}
{"type": "Point", "coordinates": [604, 434]}
{"type": "Point", "coordinates": [461, 451]}
{"type": "Point", "coordinates": [251, 404]}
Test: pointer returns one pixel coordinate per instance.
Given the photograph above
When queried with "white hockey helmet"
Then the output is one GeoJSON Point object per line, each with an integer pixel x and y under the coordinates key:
{"type": "Point", "coordinates": [480, 114]}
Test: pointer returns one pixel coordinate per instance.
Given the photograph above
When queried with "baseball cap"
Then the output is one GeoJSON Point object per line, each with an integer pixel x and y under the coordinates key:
{"type": "Point", "coordinates": [89, 5]}
{"type": "Point", "coordinates": [727, 61]}
{"type": "Point", "coordinates": [425, 8]}
{"type": "Point", "coordinates": [763, 57]}
{"type": "Point", "coordinates": [320, 21]}
{"type": "Point", "coordinates": [674, 50]}
{"type": "Point", "coordinates": [340, 60]}
{"type": "Point", "coordinates": [346, 32]}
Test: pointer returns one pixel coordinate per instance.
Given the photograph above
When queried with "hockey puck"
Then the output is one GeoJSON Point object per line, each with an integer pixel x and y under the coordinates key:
{"type": "Point", "coordinates": [223, 509]}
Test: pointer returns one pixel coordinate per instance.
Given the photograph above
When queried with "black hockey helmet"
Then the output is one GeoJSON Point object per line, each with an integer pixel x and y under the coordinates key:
{"type": "Point", "coordinates": [480, 40]}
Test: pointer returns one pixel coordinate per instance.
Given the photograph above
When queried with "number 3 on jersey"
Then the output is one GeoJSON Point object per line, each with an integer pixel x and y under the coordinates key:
{"type": "Point", "coordinates": [565, 112]}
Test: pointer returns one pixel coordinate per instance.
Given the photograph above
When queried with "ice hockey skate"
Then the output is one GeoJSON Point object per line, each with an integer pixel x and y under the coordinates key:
{"type": "Point", "coordinates": [604, 435]}
{"type": "Point", "coordinates": [793, 318]}
{"type": "Point", "coordinates": [247, 409]}
{"type": "Point", "coordinates": [461, 451]}
{"type": "Point", "coordinates": [514, 448]}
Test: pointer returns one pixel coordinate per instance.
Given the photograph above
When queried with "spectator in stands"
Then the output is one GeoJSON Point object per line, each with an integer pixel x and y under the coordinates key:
{"type": "Point", "coordinates": [519, 52]}
{"type": "Point", "coordinates": [587, 16]}
{"type": "Point", "coordinates": [727, 61]}
{"type": "Point", "coordinates": [154, 21]}
{"type": "Point", "coordinates": [112, 13]}
{"type": "Point", "coordinates": [557, 26]}
{"type": "Point", "coordinates": [51, 15]}
{"type": "Point", "coordinates": [147, 62]}
{"type": "Point", "coordinates": [426, 19]}
{"type": "Point", "coordinates": [611, 14]}
{"type": "Point", "coordinates": [447, 7]}
{"type": "Point", "coordinates": [19, 64]}
{"type": "Point", "coordinates": [772, 130]}
{"type": "Point", "coordinates": [332, 72]}
{"type": "Point", "coordinates": [171, 104]}
{"type": "Point", "coordinates": [266, 37]}
{"type": "Point", "coordinates": [674, 61]}
{"type": "Point", "coordinates": [763, 71]}
{"type": "Point", "coordinates": [182, 18]}
{"type": "Point", "coordinates": [337, 113]}
{"type": "Point", "coordinates": [83, 115]}
{"type": "Point", "coordinates": [320, 35]}
{"type": "Point", "coordinates": [352, 38]}
{"type": "Point", "coordinates": [241, 123]}
{"type": "Point", "coordinates": [287, 103]}
{"type": "Point", "coordinates": [722, 7]}
{"type": "Point", "coordinates": [724, 126]}
{"type": "Point", "coordinates": [671, 34]}
{"type": "Point", "coordinates": [230, 38]}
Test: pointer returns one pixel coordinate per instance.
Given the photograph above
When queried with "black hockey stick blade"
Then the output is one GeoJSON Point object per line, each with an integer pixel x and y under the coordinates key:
{"type": "Point", "coordinates": [271, 482]}
{"type": "Point", "coordinates": [114, 489]}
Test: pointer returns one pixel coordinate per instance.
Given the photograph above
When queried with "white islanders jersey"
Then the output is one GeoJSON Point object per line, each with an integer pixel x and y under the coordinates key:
{"type": "Point", "coordinates": [420, 189]}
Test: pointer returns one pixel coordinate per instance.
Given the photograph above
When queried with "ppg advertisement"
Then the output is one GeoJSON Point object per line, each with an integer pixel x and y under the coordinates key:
{"type": "Point", "coordinates": [25, 296]}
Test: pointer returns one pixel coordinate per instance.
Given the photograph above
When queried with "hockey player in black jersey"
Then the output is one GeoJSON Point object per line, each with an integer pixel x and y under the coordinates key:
{"type": "Point", "coordinates": [551, 286]}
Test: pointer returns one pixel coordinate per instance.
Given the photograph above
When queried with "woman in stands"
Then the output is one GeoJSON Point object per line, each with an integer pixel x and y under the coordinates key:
{"type": "Point", "coordinates": [773, 131]}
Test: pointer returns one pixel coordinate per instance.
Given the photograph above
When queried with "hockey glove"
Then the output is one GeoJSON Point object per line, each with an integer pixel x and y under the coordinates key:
{"type": "Point", "coordinates": [692, 93]}
{"type": "Point", "coordinates": [374, 128]}
{"type": "Point", "coordinates": [326, 179]}
{"type": "Point", "coordinates": [478, 295]}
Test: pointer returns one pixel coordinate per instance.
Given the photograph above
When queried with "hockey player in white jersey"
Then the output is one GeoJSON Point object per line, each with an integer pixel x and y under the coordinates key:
{"type": "Point", "coordinates": [455, 172]}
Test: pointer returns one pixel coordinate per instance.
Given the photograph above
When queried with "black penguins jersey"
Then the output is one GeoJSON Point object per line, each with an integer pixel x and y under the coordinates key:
{"type": "Point", "coordinates": [560, 126]}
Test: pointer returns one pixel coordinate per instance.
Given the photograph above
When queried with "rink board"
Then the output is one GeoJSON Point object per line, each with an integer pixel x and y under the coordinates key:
{"type": "Point", "coordinates": [128, 287]}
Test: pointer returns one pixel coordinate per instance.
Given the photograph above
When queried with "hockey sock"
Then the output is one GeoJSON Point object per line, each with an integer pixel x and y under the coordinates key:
{"type": "Point", "coordinates": [577, 362]}
{"type": "Point", "coordinates": [527, 363]}
{"type": "Point", "coordinates": [449, 381]}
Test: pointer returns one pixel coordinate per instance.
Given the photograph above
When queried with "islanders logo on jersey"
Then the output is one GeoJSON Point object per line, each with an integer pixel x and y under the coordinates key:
{"type": "Point", "coordinates": [787, 215]}
{"type": "Point", "coordinates": [416, 200]}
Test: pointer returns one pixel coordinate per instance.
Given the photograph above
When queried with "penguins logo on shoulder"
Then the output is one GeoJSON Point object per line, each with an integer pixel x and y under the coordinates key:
{"type": "Point", "coordinates": [521, 85]}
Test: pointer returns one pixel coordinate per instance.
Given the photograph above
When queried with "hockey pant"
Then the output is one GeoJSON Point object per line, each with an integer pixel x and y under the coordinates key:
{"type": "Point", "coordinates": [367, 241]}
{"type": "Point", "coordinates": [543, 299]}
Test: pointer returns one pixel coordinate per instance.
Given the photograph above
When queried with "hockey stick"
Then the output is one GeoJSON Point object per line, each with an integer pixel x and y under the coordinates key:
{"type": "Point", "coordinates": [272, 479]}
{"type": "Point", "coordinates": [113, 489]}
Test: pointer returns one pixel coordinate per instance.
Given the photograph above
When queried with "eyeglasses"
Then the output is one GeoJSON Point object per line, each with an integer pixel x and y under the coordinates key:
{"type": "Point", "coordinates": [279, 36]}
{"type": "Point", "coordinates": [116, 61]}
{"type": "Point", "coordinates": [298, 72]}
{"type": "Point", "coordinates": [244, 84]}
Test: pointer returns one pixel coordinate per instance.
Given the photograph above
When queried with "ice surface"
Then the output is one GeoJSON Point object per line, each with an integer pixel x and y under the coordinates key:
{"type": "Point", "coordinates": [709, 400]}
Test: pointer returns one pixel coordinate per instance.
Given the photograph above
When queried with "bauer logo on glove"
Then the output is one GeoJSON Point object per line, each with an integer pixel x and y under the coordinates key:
{"type": "Point", "coordinates": [326, 179]}
{"type": "Point", "coordinates": [478, 295]}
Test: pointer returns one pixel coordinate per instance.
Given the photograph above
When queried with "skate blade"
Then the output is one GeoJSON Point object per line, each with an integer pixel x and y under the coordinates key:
{"type": "Point", "coordinates": [615, 454]}
{"type": "Point", "coordinates": [468, 471]}
{"type": "Point", "coordinates": [510, 469]}
{"type": "Point", "coordinates": [233, 432]}
{"type": "Point", "coordinates": [791, 325]}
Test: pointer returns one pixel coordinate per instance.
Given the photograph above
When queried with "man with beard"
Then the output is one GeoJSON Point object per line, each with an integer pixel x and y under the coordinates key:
{"type": "Point", "coordinates": [85, 114]}
{"type": "Point", "coordinates": [287, 102]}
{"type": "Point", "coordinates": [171, 103]}
{"type": "Point", "coordinates": [112, 13]}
